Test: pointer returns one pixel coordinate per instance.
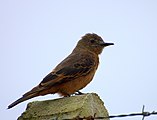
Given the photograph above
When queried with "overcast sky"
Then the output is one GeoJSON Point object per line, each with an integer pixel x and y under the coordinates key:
{"type": "Point", "coordinates": [35, 35]}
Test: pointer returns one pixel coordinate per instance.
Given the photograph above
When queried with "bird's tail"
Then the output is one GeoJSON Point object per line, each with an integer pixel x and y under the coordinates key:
{"type": "Point", "coordinates": [23, 98]}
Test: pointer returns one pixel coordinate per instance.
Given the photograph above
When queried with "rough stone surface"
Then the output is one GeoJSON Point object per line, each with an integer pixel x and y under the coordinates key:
{"type": "Point", "coordinates": [79, 106]}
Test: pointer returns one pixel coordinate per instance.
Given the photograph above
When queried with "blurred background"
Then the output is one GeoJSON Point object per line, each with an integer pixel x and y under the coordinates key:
{"type": "Point", "coordinates": [35, 35]}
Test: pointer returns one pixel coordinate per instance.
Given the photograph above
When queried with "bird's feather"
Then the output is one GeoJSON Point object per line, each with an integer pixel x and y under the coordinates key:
{"type": "Point", "coordinates": [68, 73]}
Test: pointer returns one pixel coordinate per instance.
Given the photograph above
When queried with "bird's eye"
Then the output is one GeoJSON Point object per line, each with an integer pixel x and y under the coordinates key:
{"type": "Point", "coordinates": [92, 41]}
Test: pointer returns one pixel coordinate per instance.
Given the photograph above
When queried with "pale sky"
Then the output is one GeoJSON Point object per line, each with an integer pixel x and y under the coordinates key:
{"type": "Point", "coordinates": [35, 35]}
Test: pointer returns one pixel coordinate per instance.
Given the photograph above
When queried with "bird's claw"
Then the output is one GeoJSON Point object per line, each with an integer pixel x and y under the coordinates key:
{"type": "Point", "coordinates": [78, 93]}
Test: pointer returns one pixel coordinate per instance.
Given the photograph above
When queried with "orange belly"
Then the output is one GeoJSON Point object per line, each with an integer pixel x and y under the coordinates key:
{"type": "Point", "coordinates": [75, 85]}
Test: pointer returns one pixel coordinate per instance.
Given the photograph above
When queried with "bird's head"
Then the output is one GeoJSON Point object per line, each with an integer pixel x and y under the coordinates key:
{"type": "Point", "coordinates": [93, 43]}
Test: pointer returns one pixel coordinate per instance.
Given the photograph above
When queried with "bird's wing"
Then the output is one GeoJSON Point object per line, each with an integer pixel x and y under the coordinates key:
{"type": "Point", "coordinates": [68, 72]}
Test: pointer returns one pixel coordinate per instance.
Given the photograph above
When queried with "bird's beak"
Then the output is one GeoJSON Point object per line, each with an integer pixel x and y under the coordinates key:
{"type": "Point", "coordinates": [107, 44]}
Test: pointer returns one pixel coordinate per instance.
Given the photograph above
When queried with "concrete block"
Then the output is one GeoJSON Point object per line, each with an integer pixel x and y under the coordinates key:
{"type": "Point", "coordinates": [74, 107]}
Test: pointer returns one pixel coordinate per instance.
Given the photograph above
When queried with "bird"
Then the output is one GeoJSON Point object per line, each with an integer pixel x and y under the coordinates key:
{"type": "Point", "coordinates": [73, 73]}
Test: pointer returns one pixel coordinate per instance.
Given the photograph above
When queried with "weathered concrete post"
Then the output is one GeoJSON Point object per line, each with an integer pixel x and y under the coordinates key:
{"type": "Point", "coordinates": [75, 107]}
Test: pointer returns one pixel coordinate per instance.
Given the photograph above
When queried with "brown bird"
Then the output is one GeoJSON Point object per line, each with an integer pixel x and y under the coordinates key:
{"type": "Point", "coordinates": [73, 73]}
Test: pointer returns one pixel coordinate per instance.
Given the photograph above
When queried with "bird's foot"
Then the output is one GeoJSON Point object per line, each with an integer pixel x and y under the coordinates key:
{"type": "Point", "coordinates": [78, 93]}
